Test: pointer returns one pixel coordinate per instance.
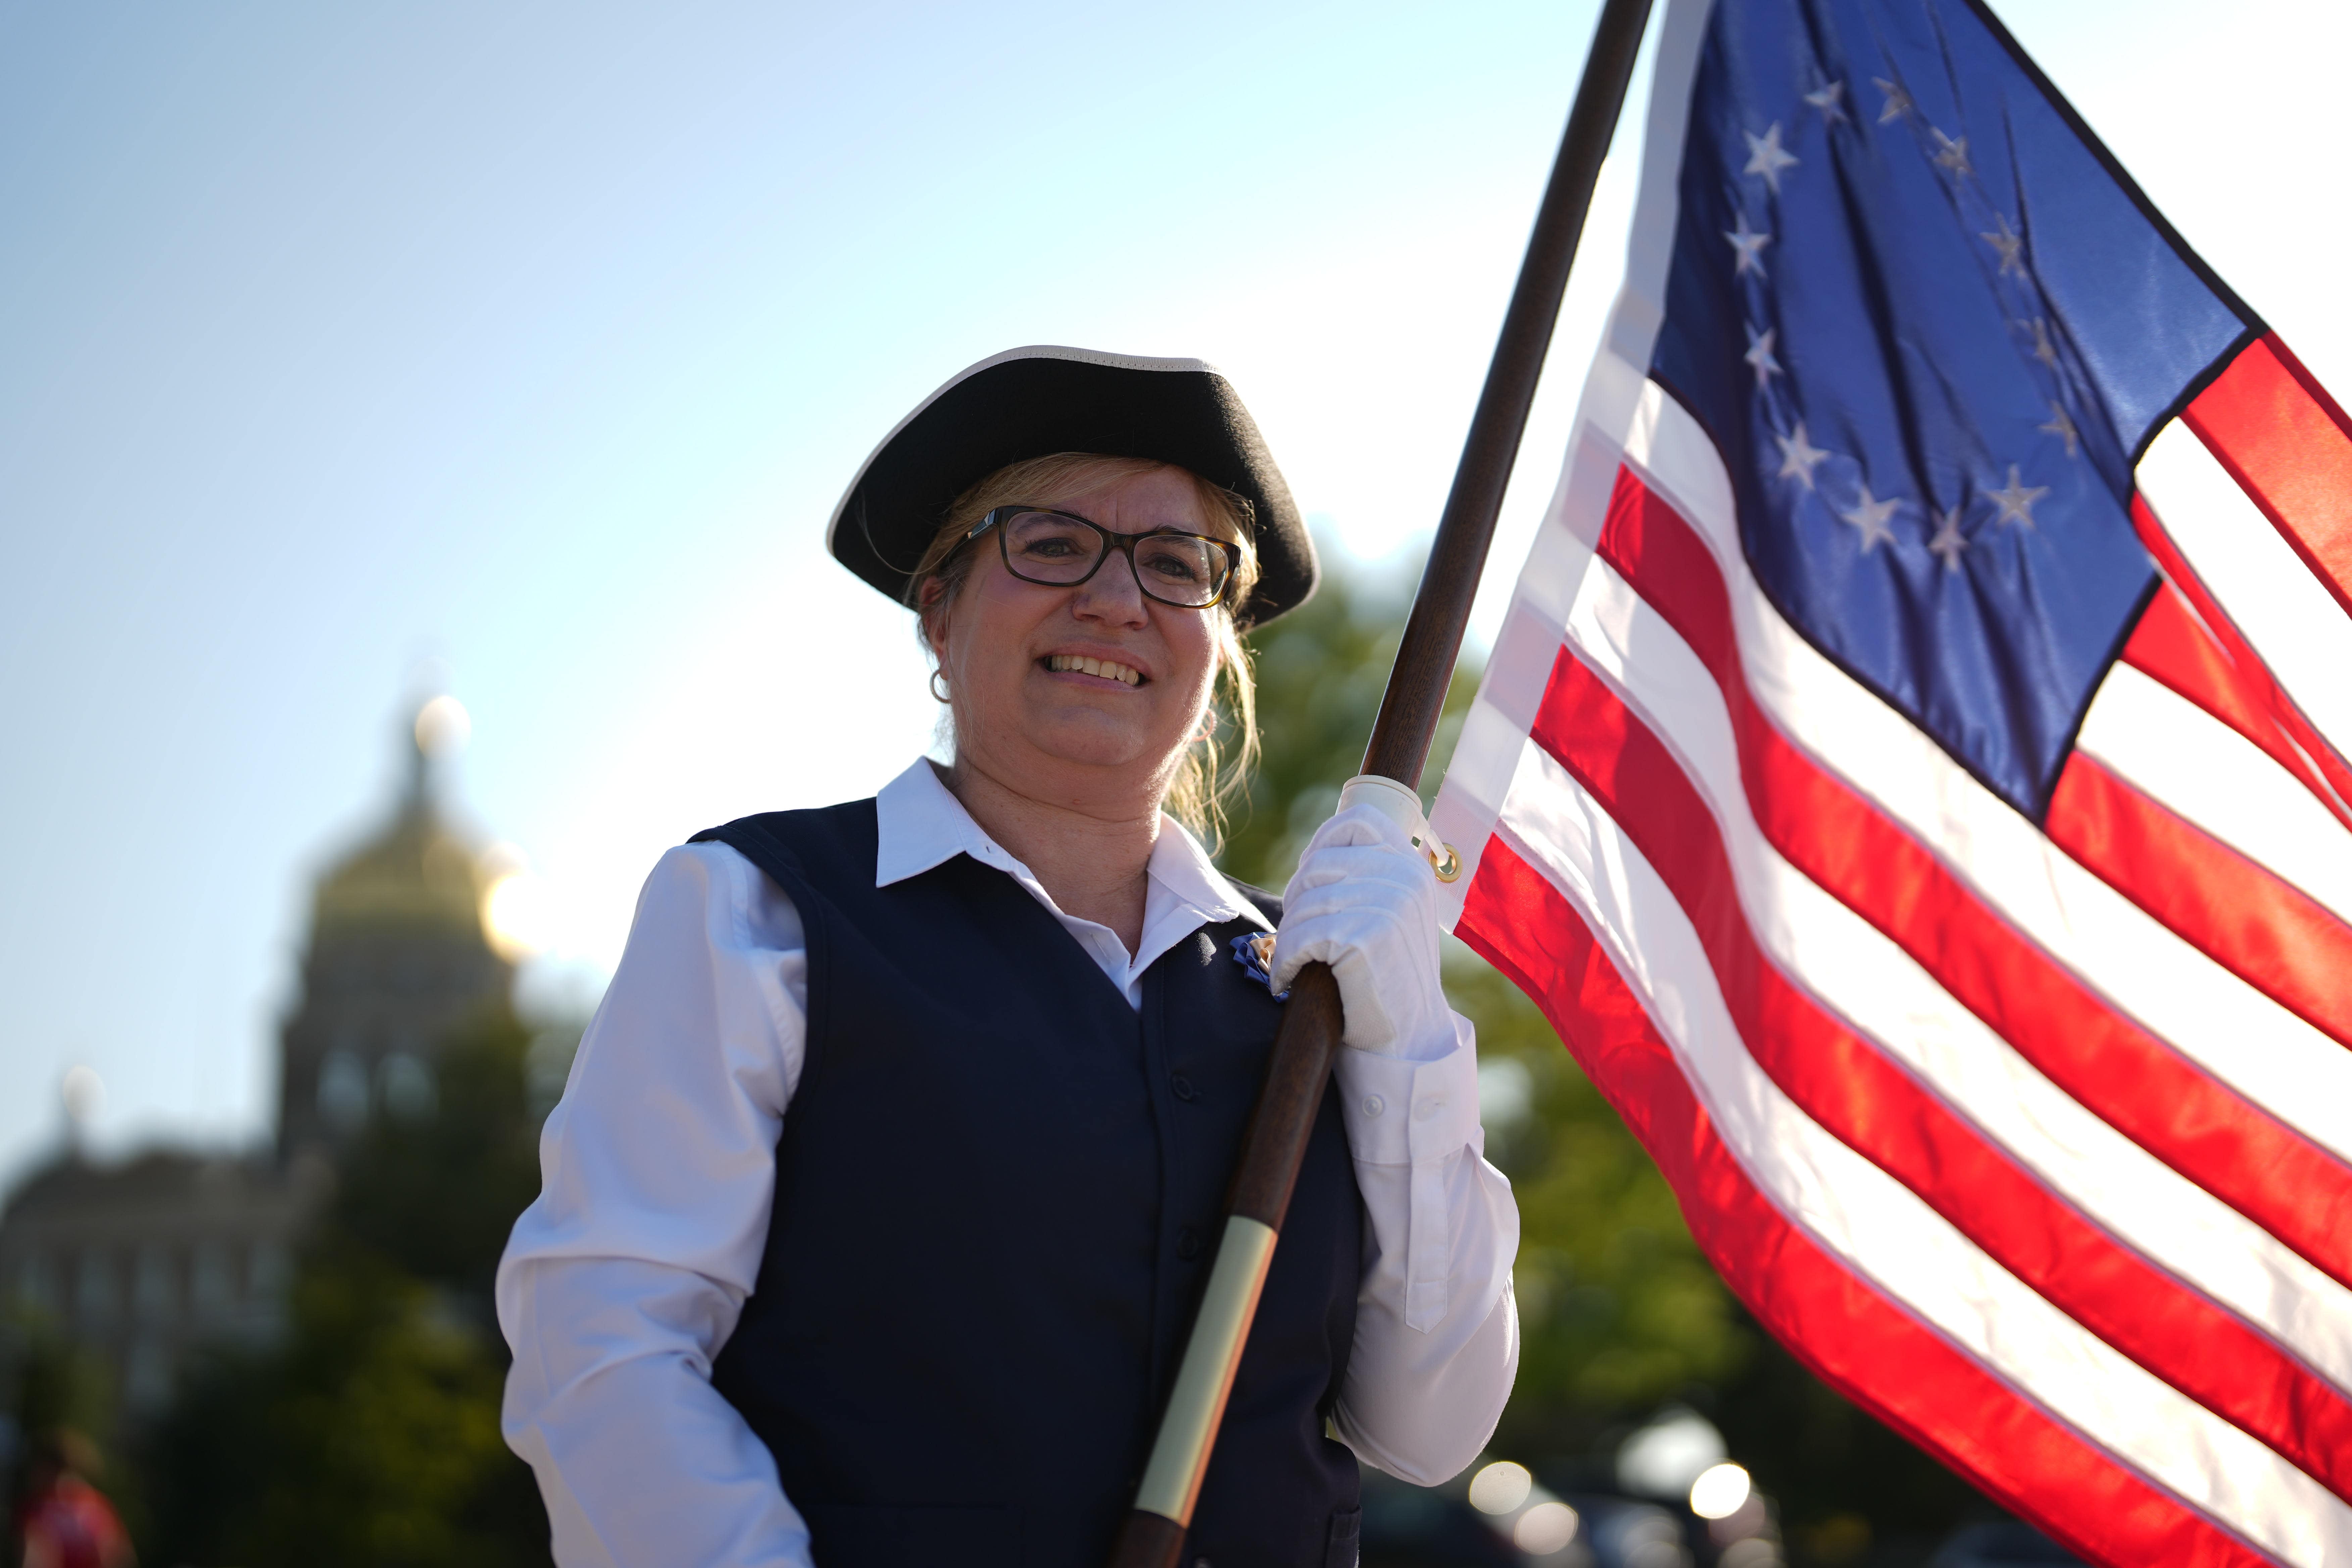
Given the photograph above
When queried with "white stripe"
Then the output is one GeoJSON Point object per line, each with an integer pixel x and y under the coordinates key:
{"type": "Point", "coordinates": [2292, 622]}
{"type": "Point", "coordinates": [1863, 977]}
{"type": "Point", "coordinates": [1882, 1231]}
{"type": "Point", "coordinates": [2226, 1027]}
{"type": "Point", "coordinates": [2176, 752]}
{"type": "Point", "coordinates": [1649, 241]}
{"type": "Point", "coordinates": [1472, 792]}
{"type": "Point", "coordinates": [1511, 687]}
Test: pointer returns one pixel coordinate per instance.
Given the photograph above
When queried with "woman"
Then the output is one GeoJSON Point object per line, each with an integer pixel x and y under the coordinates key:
{"type": "Point", "coordinates": [890, 1166]}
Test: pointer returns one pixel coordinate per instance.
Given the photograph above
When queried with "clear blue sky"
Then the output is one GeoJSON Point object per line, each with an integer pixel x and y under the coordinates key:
{"type": "Point", "coordinates": [539, 341]}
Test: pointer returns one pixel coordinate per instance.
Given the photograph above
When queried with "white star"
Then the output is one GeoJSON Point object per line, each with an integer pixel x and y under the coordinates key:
{"type": "Point", "coordinates": [1799, 456]}
{"type": "Point", "coordinates": [1830, 98]}
{"type": "Point", "coordinates": [1767, 157]}
{"type": "Point", "coordinates": [2008, 244]}
{"type": "Point", "coordinates": [1898, 102]}
{"type": "Point", "coordinates": [1948, 543]}
{"type": "Point", "coordinates": [1748, 244]}
{"type": "Point", "coordinates": [2062, 427]}
{"type": "Point", "coordinates": [1760, 355]}
{"type": "Point", "coordinates": [1950, 154]}
{"type": "Point", "coordinates": [2016, 502]}
{"type": "Point", "coordinates": [1870, 515]}
{"type": "Point", "coordinates": [2043, 349]}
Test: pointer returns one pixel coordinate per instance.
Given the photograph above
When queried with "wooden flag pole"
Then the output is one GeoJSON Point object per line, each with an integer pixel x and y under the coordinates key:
{"type": "Point", "coordinates": [1153, 1535]}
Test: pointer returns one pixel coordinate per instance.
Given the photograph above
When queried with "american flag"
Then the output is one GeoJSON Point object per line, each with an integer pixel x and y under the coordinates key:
{"type": "Point", "coordinates": [1911, 776]}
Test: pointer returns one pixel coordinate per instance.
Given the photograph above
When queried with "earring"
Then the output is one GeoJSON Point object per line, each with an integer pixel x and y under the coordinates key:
{"type": "Point", "coordinates": [938, 693]}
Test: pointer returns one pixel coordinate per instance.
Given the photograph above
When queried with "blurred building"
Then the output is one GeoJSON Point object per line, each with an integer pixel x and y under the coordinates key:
{"type": "Point", "coordinates": [144, 1260]}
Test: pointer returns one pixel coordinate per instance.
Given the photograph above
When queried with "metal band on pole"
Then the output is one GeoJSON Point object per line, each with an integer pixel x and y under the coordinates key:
{"type": "Point", "coordinates": [1153, 1533]}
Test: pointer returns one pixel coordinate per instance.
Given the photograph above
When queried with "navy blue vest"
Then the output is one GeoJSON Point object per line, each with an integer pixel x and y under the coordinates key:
{"type": "Point", "coordinates": [998, 1189]}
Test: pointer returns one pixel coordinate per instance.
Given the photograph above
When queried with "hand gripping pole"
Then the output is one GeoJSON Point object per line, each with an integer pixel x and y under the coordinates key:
{"type": "Point", "coordinates": [1308, 1039]}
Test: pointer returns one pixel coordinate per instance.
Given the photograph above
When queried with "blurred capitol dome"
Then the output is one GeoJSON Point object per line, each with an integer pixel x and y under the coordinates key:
{"type": "Point", "coordinates": [417, 871]}
{"type": "Point", "coordinates": [401, 954]}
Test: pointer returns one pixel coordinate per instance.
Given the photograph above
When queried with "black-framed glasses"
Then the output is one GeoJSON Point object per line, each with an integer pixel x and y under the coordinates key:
{"type": "Point", "coordinates": [1062, 549]}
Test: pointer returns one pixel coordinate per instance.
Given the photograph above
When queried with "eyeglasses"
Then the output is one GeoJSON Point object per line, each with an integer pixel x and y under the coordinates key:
{"type": "Point", "coordinates": [1062, 549]}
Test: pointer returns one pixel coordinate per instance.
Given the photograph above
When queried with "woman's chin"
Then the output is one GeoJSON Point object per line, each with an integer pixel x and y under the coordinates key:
{"type": "Point", "coordinates": [1083, 740]}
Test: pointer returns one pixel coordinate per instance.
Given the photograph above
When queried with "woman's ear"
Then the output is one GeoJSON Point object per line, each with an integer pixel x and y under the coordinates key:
{"type": "Point", "coordinates": [931, 615]}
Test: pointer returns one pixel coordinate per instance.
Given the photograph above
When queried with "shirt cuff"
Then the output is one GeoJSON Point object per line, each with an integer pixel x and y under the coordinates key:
{"type": "Point", "coordinates": [1403, 1113]}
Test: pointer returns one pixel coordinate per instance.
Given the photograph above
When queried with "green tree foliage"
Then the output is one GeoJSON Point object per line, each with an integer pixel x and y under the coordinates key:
{"type": "Point", "coordinates": [436, 1195]}
{"type": "Point", "coordinates": [1620, 1312]}
{"type": "Point", "coordinates": [371, 1437]}
{"type": "Point", "coordinates": [1320, 670]}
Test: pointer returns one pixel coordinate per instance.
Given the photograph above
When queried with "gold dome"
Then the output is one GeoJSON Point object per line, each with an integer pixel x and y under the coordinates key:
{"type": "Point", "coordinates": [417, 872]}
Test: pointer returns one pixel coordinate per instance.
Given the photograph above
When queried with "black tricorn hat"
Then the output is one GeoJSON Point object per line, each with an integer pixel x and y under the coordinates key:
{"type": "Point", "coordinates": [1033, 402]}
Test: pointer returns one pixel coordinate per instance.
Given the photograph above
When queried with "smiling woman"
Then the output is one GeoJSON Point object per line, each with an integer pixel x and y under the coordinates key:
{"type": "Point", "coordinates": [889, 1172]}
{"type": "Point", "coordinates": [1038, 541]}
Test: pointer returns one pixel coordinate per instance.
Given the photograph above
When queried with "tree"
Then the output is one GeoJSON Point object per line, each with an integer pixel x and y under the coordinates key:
{"type": "Point", "coordinates": [370, 1437]}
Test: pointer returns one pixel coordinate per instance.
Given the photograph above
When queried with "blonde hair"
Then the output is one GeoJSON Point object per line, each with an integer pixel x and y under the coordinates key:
{"type": "Point", "coordinates": [1208, 776]}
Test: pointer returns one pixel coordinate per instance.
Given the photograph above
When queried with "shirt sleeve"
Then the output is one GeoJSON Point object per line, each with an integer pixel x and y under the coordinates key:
{"type": "Point", "coordinates": [622, 1282]}
{"type": "Point", "coordinates": [1437, 1332]}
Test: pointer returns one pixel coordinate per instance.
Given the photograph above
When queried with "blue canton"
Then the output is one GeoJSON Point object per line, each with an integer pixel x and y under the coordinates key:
{"type": "Point", "coordinates": [1930, 332]}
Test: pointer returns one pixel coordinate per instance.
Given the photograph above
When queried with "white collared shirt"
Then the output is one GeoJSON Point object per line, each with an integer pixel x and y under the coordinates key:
{"type": "Point", "coordinates": [920, 825]}
{"type": "Point", "coordinates": [623, 1281]}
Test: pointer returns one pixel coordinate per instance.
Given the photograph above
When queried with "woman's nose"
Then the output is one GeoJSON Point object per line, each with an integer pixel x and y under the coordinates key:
{"type": "Point", "coordinates": [1111, 595]}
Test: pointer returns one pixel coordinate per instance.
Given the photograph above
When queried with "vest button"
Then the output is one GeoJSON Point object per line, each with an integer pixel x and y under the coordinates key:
{"type": "Point", "coordinates": [1182, 1086]}
{"type": "Point", "coordinates": [1188, 1243]}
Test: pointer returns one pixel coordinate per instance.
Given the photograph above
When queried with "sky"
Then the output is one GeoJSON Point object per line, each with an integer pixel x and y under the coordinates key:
{"type": "Point", "coordinates": [349, 353]}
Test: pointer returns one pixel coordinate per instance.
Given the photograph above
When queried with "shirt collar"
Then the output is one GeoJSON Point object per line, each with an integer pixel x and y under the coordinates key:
{"type": "Point", "coordinates": [920, 825]}
{"type": "Point", "coordinates": [1180, 865]}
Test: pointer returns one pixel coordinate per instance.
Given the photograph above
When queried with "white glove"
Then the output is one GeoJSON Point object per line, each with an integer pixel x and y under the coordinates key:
{"type": "Point", "coordinates": [1364, 901]}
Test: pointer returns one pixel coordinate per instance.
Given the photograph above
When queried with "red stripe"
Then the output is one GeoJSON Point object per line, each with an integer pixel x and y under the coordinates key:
{"type": "Point", "coordinates": [1851, 1337]}
{"type": "Point", "coordinates": [2289, 446]}
{"type": "Point", "coordinates": [1871, 1104]}
{"type": "Point", "coordinates": [2171, 647]}
{"type": "Point", "coordinates": [2248, 674]}
{"type": "Point", "coordinates": [2272, 936]}
{"type": "Point", "coordinates": [2297, 1191]}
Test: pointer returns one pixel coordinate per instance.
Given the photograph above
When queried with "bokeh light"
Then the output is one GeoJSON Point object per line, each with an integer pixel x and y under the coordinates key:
{"type": "Point", "coordinates": [1719, 1491]}
{"type": "Point", "coordinates": [517, 915]}
{"type": "Point", "coordinates": [443, 725]}
{"type": "Point", "coordinates": [1500, 1486]}
{"type": "Point", "coordinates": [1665, 1457]}
{"type": "Point", "coordinates": [84, 1092]}
{"type": "Point", "coordinates": [1545, 1528]}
